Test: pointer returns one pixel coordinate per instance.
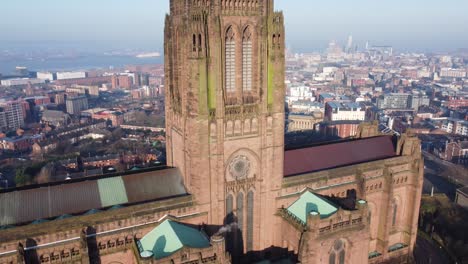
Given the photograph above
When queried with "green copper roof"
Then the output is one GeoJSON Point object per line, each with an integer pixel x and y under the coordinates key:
{"type": "Point", "coordinates": [170, 237]}
{"type": "Point", "coordinates": [92, 211]}
{"type": "Point", "coordinates": [39, 221]}
{"type": "Point", "coordinates": [396, 247]}
{"type": "Point", "coordinates": [112, 191]}
{"type": "Point", "coordinates": [309, 202]}
{"type": "Point", "coordinates": [65, 216]}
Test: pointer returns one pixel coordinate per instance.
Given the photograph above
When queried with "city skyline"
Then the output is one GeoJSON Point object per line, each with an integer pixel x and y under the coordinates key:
{"type": "Point", "coordinates": [419, 26]}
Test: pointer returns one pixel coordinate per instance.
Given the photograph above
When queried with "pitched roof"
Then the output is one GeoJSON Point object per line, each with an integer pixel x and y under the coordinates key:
{"type": "Point", "coordinates": [170, 237]}
{"type": "Point", "coordinates": [338, 154]}
{"type": "Point", "coordinates": [310, 202]}
{"type": "Point", "coordinates": [52, 114]}
{"type": "Point", "coordinates": [23, 205]}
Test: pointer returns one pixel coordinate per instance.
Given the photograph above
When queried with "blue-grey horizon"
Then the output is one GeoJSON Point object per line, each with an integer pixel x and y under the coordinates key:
{"type": "Point", "coordinates": [417, 25]}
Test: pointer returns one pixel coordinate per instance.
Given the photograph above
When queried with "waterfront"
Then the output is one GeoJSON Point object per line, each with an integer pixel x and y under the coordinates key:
{"type": "Point", "coordinates": [76, 63]}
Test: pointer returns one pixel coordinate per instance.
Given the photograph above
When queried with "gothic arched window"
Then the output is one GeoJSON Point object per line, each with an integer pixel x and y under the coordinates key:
{"type": "Point", "coordinates": [332, 258]}
{"type": "Point", "coordinates": [338, 250]}
{"type": "Point", "coordinates": [194, 43]}
{"type": "Point", "coordinates": [229, 201]}
{"type": "Point", "coordinates": [247, 60]}
{"type": "Point", "coordinates": [395, 210]}
{"type": "Point", "coordinates": [230, 66]}
{"type": "Point", "coordinates": [240, 210]}
{"type": "Point", "coordinates": [250, 213]}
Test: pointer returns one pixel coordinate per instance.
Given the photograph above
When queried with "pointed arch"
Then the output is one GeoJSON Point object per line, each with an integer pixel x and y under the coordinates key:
{"type": "Point", "coordinates": [229, 204]}
{"type": "Point", "coordinates": [230, 61]}
{"type": "Point", "coordinates": [332, 258]}
{"type": "Point", "coordinates": [250, 219]}
{"type": "Point", "coordinates": [394, 212]}
{"type": "Point", "coordinates": [240, 210]}
{"type": "Point", "coordinates": [337, 252]}
{"type": "Point", "coordinates": [247, 59]}
{"type": "Point", "coordinates": [194, 43]}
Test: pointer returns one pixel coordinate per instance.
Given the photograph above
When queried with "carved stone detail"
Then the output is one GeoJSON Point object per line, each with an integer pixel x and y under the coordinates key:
{"type": "Point", "coordinates": [239, 167]}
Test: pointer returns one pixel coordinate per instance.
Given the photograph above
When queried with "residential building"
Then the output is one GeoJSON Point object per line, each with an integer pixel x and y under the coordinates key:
{"type": "Point", "coordinates": [13, 114]}
{"type": "Point", "coordinates": [76, 104]}
{"type": "Point", "coordinates": [455, 126]}
{"type": "Point", "coordinates": [71, 75]}
{"type": "Point", "coordinates": [339, 111]}
{"type": "Point", "coordinates": [457, 152]}
{"type": "Point", "coordinates": [21, 81]}
{"type": "Point", "coordinates": [55, 118]}
{"type": "Point", "coordinates": [455, 102]}
{"type": "Point", "coordinates": [394, 101]}
{"type": "Point", "coordinates": [116, 117]}
{"type": "Point", "coordinates": [298, 122]}
{"type": "Point", "coordinates": [47, 76]}
{"type": "Point", "coordinates": [306, 107]}
{"type": "Point", "coordinates": [341, 129]}
{"type": "Point", "coordinates": [418, 100]}
{"type": "Point", "coordinates": [452, 73]}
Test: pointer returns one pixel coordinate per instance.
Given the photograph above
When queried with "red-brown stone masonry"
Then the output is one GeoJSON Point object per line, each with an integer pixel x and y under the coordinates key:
{"type": "Point", "coordinates": [123, 257]}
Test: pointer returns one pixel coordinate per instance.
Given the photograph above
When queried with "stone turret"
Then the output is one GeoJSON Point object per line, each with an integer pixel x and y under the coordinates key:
{"type": "Point", "coordinates": [219, 245]}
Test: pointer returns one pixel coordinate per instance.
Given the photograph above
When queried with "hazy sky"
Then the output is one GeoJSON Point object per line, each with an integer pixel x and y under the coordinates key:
{"type": "Point", "coordinates": [422, 25]}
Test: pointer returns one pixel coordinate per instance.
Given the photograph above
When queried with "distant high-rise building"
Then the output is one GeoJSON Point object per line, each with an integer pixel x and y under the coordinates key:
{"type": "Point", "coordinates": [349, 45]}
{"type": "Point", "coordinates": [12, 117]}
{"type": "Point", "coordinates": [59, 98]}
{"type": "Point", "coordinates": [402, 101]}
{"type": "Point", "coordinates": [142, 79]}
{"type": "Point", "coordinates": [77, 104]}
{"type": "Point", "coordinates": [47, 76]}
{"type": "Point", "coordinates": [122, 81]}
{"type": "Point", "coordinates": [394, 101]}
{"type": "Point", "coordinates": [418, 100]}
{"type": "Point", "coordinates": [3, 120]}
{"type": "Point", "coordinates": [334, 51]}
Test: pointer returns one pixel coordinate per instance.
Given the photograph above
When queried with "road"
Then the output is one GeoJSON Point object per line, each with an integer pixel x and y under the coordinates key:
{"type": "Point", "coordinates": [444, 176]}
{"type": "Point", "coordinates": [428, 253]}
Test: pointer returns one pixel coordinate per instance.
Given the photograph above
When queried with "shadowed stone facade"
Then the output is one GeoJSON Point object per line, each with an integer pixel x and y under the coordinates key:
{"type": "Point", "coordinates": [224, 67]}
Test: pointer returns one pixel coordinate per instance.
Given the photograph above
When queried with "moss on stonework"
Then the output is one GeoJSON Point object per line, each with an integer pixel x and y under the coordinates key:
{"type": "Point", "coordinates": [211, 91]}
{"type": "Point", "coordinates": [271, 82]}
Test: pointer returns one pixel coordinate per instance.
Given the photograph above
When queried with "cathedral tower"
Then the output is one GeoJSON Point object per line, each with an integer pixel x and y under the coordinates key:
{"type": "Point", "coordinates": [224, 67]}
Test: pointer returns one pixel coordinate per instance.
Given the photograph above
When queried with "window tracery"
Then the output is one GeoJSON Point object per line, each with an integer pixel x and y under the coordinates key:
{"type": "Point", "coordinates": [337, 253]}
{"type": "Point", "coordinates": [230, 64]}
{"type": "Point", "coordinates": [247, 60]}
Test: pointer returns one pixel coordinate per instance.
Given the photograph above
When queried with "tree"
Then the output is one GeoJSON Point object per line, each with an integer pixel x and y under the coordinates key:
{"type": "Point", "coordinates": [117, 134]}
{"type": "Point", "coordinates": [21, 177]}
